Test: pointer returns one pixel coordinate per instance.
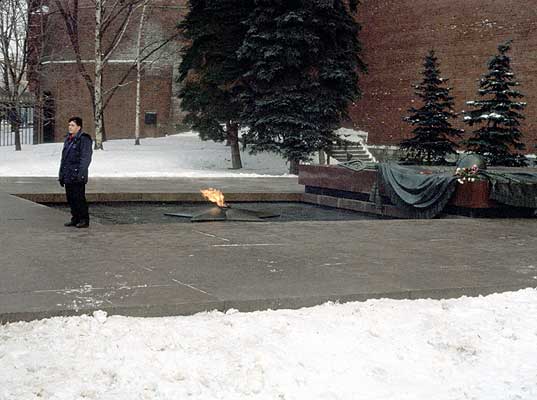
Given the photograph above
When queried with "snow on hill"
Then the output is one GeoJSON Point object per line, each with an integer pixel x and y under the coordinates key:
{"type": "Point", "coordinates": [183, 155]}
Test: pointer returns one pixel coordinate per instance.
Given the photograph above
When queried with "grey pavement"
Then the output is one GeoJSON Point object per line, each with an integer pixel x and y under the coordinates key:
{"type": "Point", "coordinates": [177, 269]}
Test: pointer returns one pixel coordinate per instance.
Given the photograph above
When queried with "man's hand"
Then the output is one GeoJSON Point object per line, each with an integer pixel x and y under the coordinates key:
{"type": "Point", "coordinates": [62, 184]}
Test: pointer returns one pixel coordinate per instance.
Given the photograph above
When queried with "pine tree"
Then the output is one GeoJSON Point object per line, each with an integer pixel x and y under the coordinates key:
{"type": "Point", "coordinates": [303, 65]}
{"type": "Point", "coordinates": [497, 114]}
{"type": "Point", "coordinates": [433, 133]}
{"type": "Point", "coordinates": [210, 69]}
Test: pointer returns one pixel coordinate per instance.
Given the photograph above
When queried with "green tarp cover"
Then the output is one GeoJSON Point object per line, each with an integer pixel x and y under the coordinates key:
{"type": "Point", "coordinates": [423, 193]}
{"type": "Point", "coordinates": [518, 189]}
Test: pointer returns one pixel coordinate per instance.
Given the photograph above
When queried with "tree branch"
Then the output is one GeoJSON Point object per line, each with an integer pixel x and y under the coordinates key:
{"type": "Point", "coordinates": [110, 93]}
{"type": "Point", "coordinates": [71, 24]}
{"type": "Point", "coordinates": [118, 35]}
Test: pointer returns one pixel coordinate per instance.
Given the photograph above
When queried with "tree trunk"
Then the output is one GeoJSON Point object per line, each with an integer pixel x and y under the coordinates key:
{"type": "Point", "coordinates": [322, 158]}
{"type": "Point", "coordinates": [98, 114]}
{"type": "Point", "coordinates": [103, 119]}
{"type": "Point", "coordinates": [233, 137]}
{"type": "Point", "coordinates": [16, 129]}
{"type": "Point", "coordinates": [139, 76]}
{"type": "Point", "coordinates": [293, 166]}
{"type": "Point", "coordinates": [103, 122]}
{"type": "Point", "coordinates": [137, 122]}
{"type": "Point", "coordinates": [98, 117]}
{"type": "Point", "coordinates": [138, 84]}
{"type": "Point", "coordinates": [18, 146]}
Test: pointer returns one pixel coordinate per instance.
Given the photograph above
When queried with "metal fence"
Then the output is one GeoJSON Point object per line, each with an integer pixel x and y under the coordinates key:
{"type": "Point", "coordinates": [7, 136]}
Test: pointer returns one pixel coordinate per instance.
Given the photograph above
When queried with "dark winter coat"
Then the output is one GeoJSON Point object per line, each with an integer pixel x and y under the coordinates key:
{"type": "Point", "coordinates": [76, 158]}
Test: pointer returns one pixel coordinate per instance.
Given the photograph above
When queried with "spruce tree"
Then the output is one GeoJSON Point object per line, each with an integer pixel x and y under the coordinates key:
{"type": "Point", "coordinates": [210, 69]}
{"type": "Point", "coordinates": [303, 65]}
{"type": "Point", "coordinates": [497, 114]}
{"type": "Point", "coordinates": [433, 133]}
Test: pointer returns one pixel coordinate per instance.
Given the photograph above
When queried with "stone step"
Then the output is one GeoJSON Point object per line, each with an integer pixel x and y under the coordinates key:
{"type": "Point", "coordinates": [345, 158]}
{"type": "Point", "coordinates": [354, 154]}
{"type": "Point", "coordinates": [351, 151]}
{"type": "Point", "coordinates": [355, 150]}
{"type": "Point", "coordinates": [351, 148]}
{"type": "Point", "coordinates": [348, 147]}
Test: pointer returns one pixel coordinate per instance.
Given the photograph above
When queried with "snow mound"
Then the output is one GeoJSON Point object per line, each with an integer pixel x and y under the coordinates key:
{"type": "Point", "coordinates": [469, 348]}
{"type": "Point", "coordinates": [352, 135]}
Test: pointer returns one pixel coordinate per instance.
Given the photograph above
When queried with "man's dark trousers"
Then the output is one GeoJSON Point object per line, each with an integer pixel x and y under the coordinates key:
{"type": "Point", "coordinates": [76, 197]}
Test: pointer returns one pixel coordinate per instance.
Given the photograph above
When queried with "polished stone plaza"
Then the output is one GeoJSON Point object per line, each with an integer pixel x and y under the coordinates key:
{"type": "Point", "coordinates": [176, 269]}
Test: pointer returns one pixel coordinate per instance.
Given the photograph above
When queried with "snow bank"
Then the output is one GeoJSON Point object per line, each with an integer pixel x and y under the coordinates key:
{"type": "Point", "coordinates": [352, 135]}
{"type": "Point", "coordinates": [469, 348]}
{"type": "Point", "coordinates": [183, 155]}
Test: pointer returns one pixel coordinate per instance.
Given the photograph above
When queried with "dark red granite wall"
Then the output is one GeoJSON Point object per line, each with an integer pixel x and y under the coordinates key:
{"type": "Point", "coordinates": [397, 34]}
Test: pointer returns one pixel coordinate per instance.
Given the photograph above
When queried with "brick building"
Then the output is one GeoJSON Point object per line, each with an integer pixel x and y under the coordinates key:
{"type": "Point", "coordinates": [396, 35]}
{"type": "Point", "coordinates": [59, 81]}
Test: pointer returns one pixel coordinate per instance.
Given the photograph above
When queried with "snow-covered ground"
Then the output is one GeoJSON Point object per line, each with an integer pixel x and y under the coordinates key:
{"type": "Point", "coordinates": [481, 348]}
{"type": "Point", "coordinates": [183, 155]}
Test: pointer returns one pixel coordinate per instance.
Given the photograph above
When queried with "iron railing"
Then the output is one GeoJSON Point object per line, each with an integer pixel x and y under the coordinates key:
{"type": "Point", "coordinates": [26, 127]}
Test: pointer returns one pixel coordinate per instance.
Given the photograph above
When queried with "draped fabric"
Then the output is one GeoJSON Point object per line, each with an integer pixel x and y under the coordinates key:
{"type": "Point", "coordinates": [420, 192]}
{"type": "Point", "coordinates": [423, 192]}
{"type": "Point", "coordinates": [518, 189]}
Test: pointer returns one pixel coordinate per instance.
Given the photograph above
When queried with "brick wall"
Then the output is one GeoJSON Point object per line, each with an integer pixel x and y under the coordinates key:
{"type": "Point", "coordinates": [59, 76]}
{"type": "Point", "coordinates": [397, 34]}
{"type": "Point", "coordinates": [72, 97]}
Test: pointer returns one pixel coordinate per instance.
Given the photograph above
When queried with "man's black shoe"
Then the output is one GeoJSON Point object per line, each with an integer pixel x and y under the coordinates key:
{"type": "Point", "coordinates": [70, 223]}
{"type": "Point", "coordinates": [82, 224]}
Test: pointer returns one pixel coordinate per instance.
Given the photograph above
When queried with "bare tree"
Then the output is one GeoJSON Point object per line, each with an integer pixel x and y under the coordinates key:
{"type": "Point", "coordinates": [139, 74]}
{"type": "Point", "coordinates": [14, 60]}
{"type": "Point", "coordinates": [112, 19]}
{"type": "Point", "coordinates": [149, 51]}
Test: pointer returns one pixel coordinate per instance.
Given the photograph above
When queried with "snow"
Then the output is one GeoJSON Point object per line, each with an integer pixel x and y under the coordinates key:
{"type": "Point", "coordinates": [492, 115]}
{"type": "Point", "coordinates": [183, 155]}
{"type": "Point", "coordinates": [352, 135]}
{"type": "Point", "coordinates": [469, 348]}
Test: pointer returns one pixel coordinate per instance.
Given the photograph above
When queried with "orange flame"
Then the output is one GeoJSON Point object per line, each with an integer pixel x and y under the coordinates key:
{"type": "Point", "coordinates": [214, 196]}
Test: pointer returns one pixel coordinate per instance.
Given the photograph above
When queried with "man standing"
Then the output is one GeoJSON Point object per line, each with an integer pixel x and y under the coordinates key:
{"type": "Point", "coordinates": [76, 158]}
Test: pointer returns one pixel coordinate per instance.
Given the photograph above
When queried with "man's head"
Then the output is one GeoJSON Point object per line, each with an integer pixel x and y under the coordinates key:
{"type": "Point", "coordinates": [75, 125]}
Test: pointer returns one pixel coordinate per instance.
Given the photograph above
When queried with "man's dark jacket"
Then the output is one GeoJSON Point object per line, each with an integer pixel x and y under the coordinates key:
{"type": "Point", "coordinates": [76, 158]}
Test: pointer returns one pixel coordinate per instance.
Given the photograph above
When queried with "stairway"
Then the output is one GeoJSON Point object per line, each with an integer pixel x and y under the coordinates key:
{"type": "Point", "coordinates": [351, 151]}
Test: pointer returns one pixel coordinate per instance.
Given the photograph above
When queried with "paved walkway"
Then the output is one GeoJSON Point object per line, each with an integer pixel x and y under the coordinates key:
{"type": "Point", "coordinates": [173, 269]}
